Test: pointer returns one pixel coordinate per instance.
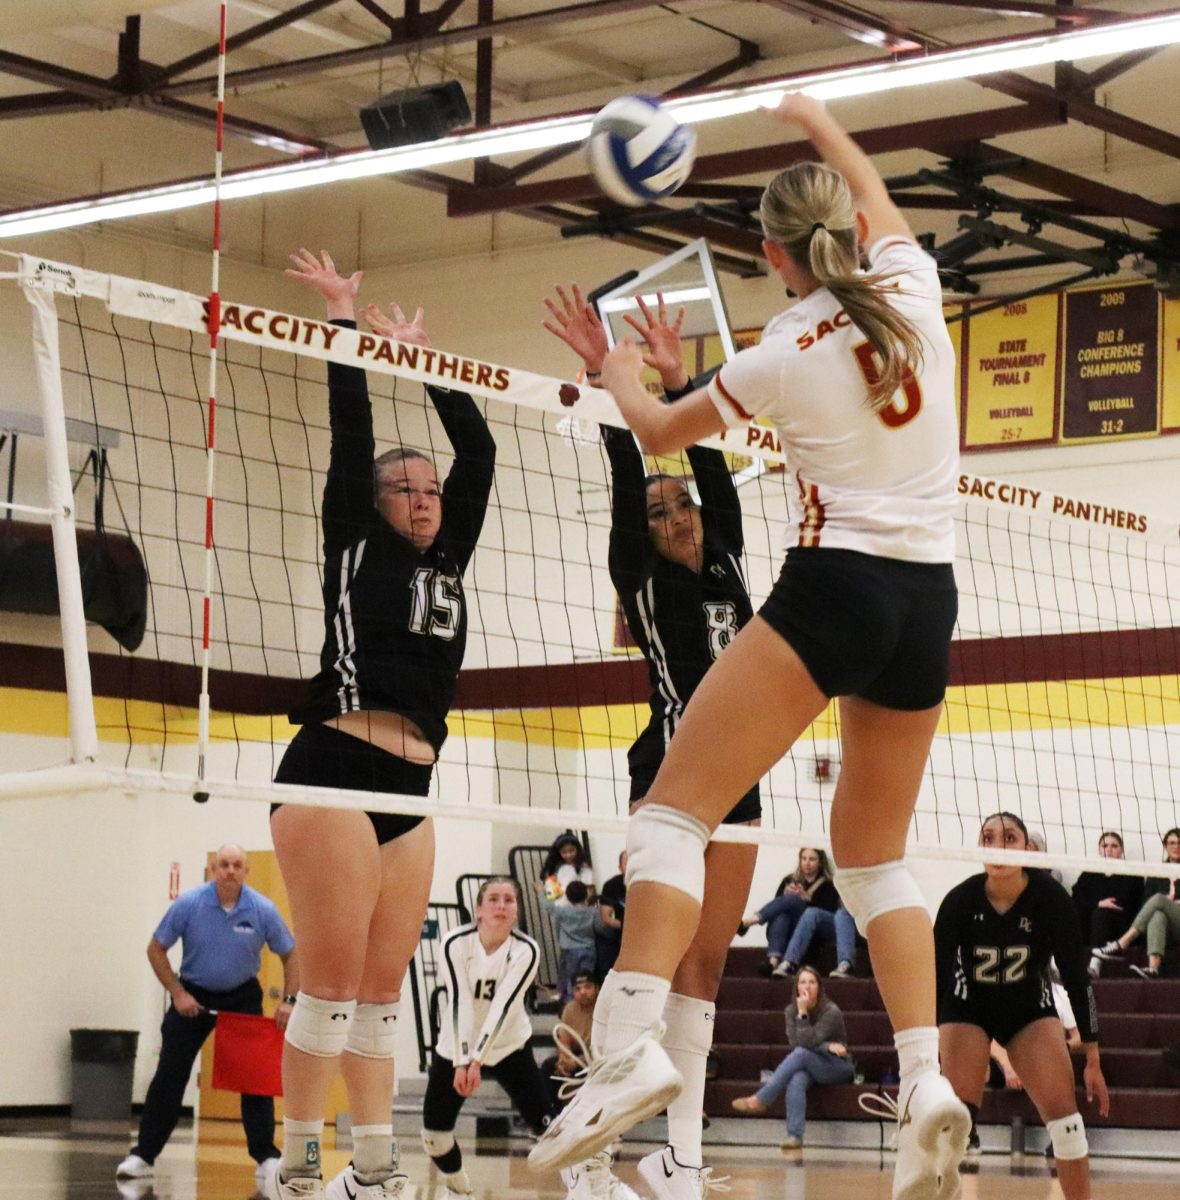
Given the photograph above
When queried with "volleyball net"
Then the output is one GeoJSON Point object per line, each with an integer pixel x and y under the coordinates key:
{"type": "Point", "coordinates": [1063, 706]}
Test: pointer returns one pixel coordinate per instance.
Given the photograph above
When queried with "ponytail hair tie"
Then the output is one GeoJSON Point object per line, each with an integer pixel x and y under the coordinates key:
{"type": "Point", "coordinates": [817, 225]}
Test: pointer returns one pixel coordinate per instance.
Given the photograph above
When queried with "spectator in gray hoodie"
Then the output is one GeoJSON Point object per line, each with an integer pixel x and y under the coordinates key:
{"type": "Point", "coordinates": [819, 1054]}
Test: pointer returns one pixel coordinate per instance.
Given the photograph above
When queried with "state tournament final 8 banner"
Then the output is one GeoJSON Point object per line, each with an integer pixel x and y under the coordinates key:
{"type": "Point", "coordinates": [1091, 364]}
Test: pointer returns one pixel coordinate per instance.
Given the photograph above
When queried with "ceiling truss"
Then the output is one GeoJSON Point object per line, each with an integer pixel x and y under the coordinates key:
{"type": "Point", "coordinates": [718, 211]}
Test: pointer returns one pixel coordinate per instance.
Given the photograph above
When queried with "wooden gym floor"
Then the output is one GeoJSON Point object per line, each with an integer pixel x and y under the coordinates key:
{"type": "Point", "coordinates": [58, 1165]}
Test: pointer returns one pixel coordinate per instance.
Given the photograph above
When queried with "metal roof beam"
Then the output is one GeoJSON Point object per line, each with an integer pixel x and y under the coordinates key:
{"type": "Point", "coordinates": [88, 86]}
{"type": "Point", "coordinates": [1085, 111]}
{"type": "Point", "coordinates": [853, 23]}
{"type": "Point", "coordinates": [1091, 81]}
{"type": "Point", "coordinates": [1098, 197]}
{"type": "Point", "coordinates": [503, 27]}
{"type": "Point", "coordinates": [43, 104]}
{"type": "Point", "coordinates": [237, 40]}
{"type": "Point", "coordinates": [941, 135]}
{"type": "Point", "coordinates": [748, 52]}
{"type": "Point", "coordinates": [1067, 14]}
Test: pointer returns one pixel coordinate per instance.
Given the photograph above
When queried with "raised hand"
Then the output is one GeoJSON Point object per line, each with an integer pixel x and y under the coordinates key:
{"type": "Point", "coordinates": [622, 365]}
{"type": "Point", "coordinates": [395, 325]}
{"type": "Point", "coordinates": [577, 324]}
{"type": "Point", "coordinates": [797, 109]}
{"type": "Point", "coordinates": [320, 275]}
{"type": "Point", "coordinates": [663, 341]}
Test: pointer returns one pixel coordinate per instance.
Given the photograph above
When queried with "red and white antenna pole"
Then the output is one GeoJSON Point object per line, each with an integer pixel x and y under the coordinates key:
{"type": "Point", "coordinates": [210, 453]}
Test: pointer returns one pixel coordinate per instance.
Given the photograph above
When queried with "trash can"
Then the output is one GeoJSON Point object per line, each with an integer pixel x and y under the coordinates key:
{"type": "Point", "coordinates": [102, 1067]}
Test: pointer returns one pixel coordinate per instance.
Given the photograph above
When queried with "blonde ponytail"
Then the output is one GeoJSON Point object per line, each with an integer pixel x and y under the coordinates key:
{"type": "Point", "coordinates": [808, 210]}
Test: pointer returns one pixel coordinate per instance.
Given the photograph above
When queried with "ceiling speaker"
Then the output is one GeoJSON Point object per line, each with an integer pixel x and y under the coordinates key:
{"type": "Point", "coordinates": [412, 115]}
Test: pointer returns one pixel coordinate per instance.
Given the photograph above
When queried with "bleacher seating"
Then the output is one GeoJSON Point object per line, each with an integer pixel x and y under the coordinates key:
{"type": "Point", "coordinates": [1137, 1018]}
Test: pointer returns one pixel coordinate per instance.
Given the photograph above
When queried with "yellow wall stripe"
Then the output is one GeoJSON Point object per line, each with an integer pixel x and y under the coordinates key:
{"type": "Point", "coordinates": [971, 711]}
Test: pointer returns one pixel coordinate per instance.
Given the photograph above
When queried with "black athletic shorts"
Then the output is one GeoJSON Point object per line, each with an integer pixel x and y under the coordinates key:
{"type": "Point", "coordinates": [866, 626]}
{"type": "Point", "coordinates": [643, 762]}
{"type": "Point", "coordinates": [1001, 1018]}
{"type": "Point", "coordinates": [324, 756]}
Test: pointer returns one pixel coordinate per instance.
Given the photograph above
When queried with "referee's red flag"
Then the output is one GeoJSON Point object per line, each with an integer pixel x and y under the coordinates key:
{"type": "Point", "coordinates": [247, 1055]}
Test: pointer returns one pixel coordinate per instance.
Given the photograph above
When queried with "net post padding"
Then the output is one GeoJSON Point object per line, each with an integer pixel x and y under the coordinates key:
{"type": "Point", "coordinates": [47, 360]}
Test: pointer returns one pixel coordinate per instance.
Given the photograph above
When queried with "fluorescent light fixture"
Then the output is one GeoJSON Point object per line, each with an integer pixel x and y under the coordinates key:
{"type": "Point", "coordinates": [1103, 40]}
{"type": "Point", "coordinates": [680, 296]}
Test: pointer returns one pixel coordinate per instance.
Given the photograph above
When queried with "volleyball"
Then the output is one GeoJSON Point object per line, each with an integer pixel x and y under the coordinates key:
{"type": "Point", "coordinates": [638, 151]}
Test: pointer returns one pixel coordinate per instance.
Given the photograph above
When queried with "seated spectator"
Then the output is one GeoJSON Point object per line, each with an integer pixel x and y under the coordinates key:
{"type": "Point", "coordinates": [1159, 918]}
{"type": "Point", "coordinates": [1106, 904]}
{"type": "Point", "coordinates": [817, 921]}
{"type": "Point", "coordinates": [612, 906]}
{"type": "Point", "coordinates": [576, 921]}
{"type": "Point", "coordinates": [565, 862]}
{"type": "Point", "coordinates": [576, 1018]}
{"type": "Point", "coordinates": [809, 883]}
{"type": "Point", "coordinates": [819, 1054]}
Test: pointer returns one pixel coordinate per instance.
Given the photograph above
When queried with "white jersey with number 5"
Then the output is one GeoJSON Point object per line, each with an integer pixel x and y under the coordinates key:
{"type": "Point", "coordinates": [879, 482]}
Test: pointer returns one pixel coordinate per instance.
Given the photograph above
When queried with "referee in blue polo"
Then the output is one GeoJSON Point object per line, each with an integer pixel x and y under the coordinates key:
{"type": "Point", "coordinates": [223, 925]}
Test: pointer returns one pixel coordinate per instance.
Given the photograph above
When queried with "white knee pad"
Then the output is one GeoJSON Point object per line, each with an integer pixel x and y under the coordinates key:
{"type": "Point", "coordinates": [665, 845]}
{"type": "Point", "coordinates": [320, 1027]}
{"type": "Point", "coordinates": [437, 1142]}
{"type": "Point", "coordinates": [868, 892]}
{"type": "Point", "coordinates": [374, 1030]}
{"type": "Point", "coordinates": [1069, 1137]}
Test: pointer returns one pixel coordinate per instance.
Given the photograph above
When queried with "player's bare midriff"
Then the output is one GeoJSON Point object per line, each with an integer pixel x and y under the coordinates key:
{"type": "Point", "coordinates": [390, 731]}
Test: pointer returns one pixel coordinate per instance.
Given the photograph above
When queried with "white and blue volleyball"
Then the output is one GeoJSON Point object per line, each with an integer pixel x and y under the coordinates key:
{"type": "Point", "coordinates": [638, 151]}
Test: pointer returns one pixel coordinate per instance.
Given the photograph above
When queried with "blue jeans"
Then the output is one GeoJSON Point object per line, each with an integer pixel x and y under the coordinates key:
{"type": "Point", "coordinates": [795, 1074]}
{"type": "Point", "coordinates": [569, 964]}
{"type": "Point", "coordinates": [779, 917]}
{"type": "Point", "coordinates": [818, 922]}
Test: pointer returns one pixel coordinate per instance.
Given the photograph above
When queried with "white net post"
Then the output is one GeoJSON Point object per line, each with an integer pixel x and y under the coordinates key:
{"type": "Point", "coordinates": [47, 356]}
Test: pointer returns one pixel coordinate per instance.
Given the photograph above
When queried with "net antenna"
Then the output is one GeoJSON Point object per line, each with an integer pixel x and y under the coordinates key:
{"type": "Point", "coordinates": [200, 794]}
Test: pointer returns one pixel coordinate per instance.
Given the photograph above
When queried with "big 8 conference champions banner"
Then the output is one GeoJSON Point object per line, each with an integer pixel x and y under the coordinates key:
{"type": "Point", "coordinates": [1089, 365]}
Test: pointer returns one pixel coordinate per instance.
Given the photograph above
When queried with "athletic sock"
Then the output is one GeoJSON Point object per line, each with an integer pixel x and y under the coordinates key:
{"type": "Point", "coordinates": [636, 1003]}
{"type": "Point", "coordinates": [601, 1016]}
{"type": "Point", "coordinates": [374, 1153]}
{"type": "Point", "coordinates": [688, 1039]}
{"type": "Point", "coordinates": [917, 1050]}
{"type": "Point", "coordinates": [301, 1148]}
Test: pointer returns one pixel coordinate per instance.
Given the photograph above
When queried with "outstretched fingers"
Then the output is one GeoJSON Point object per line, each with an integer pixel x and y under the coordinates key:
{"type": "Point", "coordinates": [394, 324]}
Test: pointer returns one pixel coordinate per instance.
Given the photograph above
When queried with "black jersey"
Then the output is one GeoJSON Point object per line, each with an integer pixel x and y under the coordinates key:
{"type": "Point", "coordinates": [989, 961]}
{"type": "Point", "coordinates": [680, 620]}
{"type": "Point", "coordinates": [395, 618]}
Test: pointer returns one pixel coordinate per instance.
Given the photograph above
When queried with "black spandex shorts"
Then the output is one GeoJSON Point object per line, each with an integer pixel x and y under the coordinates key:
{"type": "Point", "coordinates": [1000, 1019]}
{"type": "Point", "coordinates": [866, 626]}
{"type": "Point", "coordinates": [643, 762]}
{"type": "Point", "coordinates": [324, 756]}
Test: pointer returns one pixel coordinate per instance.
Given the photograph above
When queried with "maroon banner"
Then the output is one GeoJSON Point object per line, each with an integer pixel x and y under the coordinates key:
{"type": "Point", "coordinates": [1110, 380]}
